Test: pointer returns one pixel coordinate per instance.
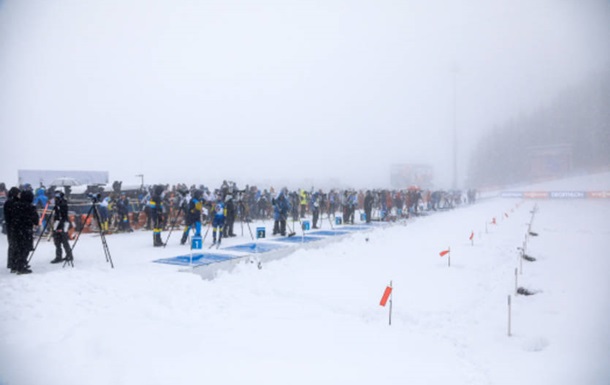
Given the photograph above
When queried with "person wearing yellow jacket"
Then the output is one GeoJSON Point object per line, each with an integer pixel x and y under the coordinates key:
{"type": "Point", "coordinates": [303, 195]}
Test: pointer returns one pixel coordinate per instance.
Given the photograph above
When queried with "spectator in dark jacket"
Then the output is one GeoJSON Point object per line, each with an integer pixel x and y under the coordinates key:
{"type": "Point", "coordinates": [281, 207]}
{"type": "Point", "coordinates": [25, 218]}
{"type": "Point", "coordinates": [368, 206]}
{"type": "Point", "coordinates": [229, 216]}
{"type": "Point", "coordinates": [9, 215]}
{"type": "Point", "coordinates": [123, 213]}
{"type": "Point", "coordinates": [60, 228]}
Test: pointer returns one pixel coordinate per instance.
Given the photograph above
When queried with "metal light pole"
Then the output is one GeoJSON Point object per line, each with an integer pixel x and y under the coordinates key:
{"type": "Point", "coordinates": [141, 176]}
{"type": "Point", "coordinates": [455, 71]}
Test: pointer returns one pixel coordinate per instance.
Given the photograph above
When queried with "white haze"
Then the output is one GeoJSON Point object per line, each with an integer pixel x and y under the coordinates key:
{"type": "Point", "coordinates": [316, 91]}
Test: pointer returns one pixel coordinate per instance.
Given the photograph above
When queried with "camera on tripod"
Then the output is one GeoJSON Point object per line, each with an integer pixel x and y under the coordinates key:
{"type": "Point", "coordinates": [95, 197]}
{"type": "Point", "coordinates": [240, 195]}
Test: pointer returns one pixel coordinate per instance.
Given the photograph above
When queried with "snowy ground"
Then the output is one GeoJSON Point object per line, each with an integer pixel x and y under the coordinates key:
{"type": "Point", "coordinates": [314, 317]}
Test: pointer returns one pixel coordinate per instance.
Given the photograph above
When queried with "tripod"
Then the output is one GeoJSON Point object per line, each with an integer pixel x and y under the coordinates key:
{"type": "Point", "coordinates": [241, 210]}
{"type": "Point", "coordinates": [93, 210]}
{"type": "Point", "coordinates": [46, 224]}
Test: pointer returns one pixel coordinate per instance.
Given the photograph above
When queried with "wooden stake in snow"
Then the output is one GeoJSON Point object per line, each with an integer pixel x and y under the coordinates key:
{"type": "Point", "coordinates": [516, 282]}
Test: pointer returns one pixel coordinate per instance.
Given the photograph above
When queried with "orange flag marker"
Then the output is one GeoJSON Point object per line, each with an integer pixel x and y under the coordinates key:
{"type": "Point", "coordinates": [386, 295]}
{"type": "Point", "coordinates": [446, 252]}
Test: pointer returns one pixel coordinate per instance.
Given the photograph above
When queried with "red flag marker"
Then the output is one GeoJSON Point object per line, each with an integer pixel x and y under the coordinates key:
{"type": "Point", "coordinates": [493, 221]}
{"type": "Point", "coordinates": [386, 295]}
{"type": "Point", "coordinates": [471, 236]}
{"type": "Point", "coordinates": [444, 252]}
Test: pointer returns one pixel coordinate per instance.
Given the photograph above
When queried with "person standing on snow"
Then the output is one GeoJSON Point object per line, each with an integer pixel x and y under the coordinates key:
{"type": "Point", "coordinates": [26, 217]}
{"type": "Point", "coordinates": [218, 222]}
{"type": "Point", "coordinates": [303, 202]}
{"type": "Point", "coordinates": [10, 207]}
{"type": "Point", "coordinates": [368, 206]}
{"type": "Point", "coordinates": [102, 209]}
{"type": "Point", "coordinates": [123, 213]}
{"type": "Point", "coordinates": [60, 228]}
{"type": "Point", "coordinates": [156, 212]}
{"type": "Point", "coordinates": [281, 207]}
{"type": "Point", "coordinates": [193, 216]}
{"type": "Point", "coordinates": [230, 212]}
{"type": "Point", "coordinates": [315, 208]}
{"type": "Point", "coordinates": [41, 200]}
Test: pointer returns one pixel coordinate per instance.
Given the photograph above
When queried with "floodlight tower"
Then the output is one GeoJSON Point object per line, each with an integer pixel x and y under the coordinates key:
{"type": "Point", "coordinates": [455, 71]}
{"type": "Point", "coordinates": [141, 176]}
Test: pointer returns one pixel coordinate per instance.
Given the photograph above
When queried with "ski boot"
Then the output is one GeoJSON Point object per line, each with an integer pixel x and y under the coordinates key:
{"type": "Point", "coordinates": [157, 240]}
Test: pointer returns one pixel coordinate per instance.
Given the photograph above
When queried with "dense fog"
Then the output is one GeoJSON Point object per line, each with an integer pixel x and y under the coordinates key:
{"type": "Point", "coordinates": [321, 93]}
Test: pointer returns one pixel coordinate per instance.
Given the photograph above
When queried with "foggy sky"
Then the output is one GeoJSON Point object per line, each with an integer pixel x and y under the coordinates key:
{"type": "Point", "coordinates": [253, 91]}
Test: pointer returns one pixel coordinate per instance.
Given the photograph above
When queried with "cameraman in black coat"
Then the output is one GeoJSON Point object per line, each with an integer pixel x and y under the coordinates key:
{"type": "Point", "coordinates": [9, 220]}
{"type": "Point", "coordinates": [60, 228]}
{"type": "Point", "coordinates": [25, 218]}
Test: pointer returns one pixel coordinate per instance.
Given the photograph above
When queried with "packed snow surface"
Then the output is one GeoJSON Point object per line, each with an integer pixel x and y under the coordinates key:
{"type": "Point", "coordinates": [314, 316]}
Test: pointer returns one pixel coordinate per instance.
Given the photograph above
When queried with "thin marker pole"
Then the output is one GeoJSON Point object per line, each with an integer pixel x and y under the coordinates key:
{"type": "Point", "coordinates": [391, 294]}
{"type": "Point", "coordinates": [521, 260]}
{"type": "Point", "coordinates": [509, 317]}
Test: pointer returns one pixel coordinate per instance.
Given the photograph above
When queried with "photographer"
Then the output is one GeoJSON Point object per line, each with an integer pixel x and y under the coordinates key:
{"type": "Point", "coordinates": [60, 228]}
{"type": "Point", "coordinates": [229, 216]}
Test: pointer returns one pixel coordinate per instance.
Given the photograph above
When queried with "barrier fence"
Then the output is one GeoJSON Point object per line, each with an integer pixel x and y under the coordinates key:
{"type": "Point", "coordinates": [556, 194]}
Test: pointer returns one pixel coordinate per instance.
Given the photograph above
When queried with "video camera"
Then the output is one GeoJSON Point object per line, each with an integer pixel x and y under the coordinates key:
{"type": "Point", "coordinates": [239, 195]}
{"type": "Point", "coordinates": [95, 197]}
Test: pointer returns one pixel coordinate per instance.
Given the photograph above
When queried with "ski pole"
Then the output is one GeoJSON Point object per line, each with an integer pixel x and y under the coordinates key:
{"type": "Point", "coordinates": [173, 225]}
{"type": "Point", "coordinates": [292, 233]}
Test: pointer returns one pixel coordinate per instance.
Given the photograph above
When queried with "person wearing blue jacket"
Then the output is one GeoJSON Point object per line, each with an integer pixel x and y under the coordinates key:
{"type": "Point", "coordinates": [41, 199]}
{"type": "Point", "coordinates": [281, 207]}
{"type": "Point", "coordinates": [218, 222]}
